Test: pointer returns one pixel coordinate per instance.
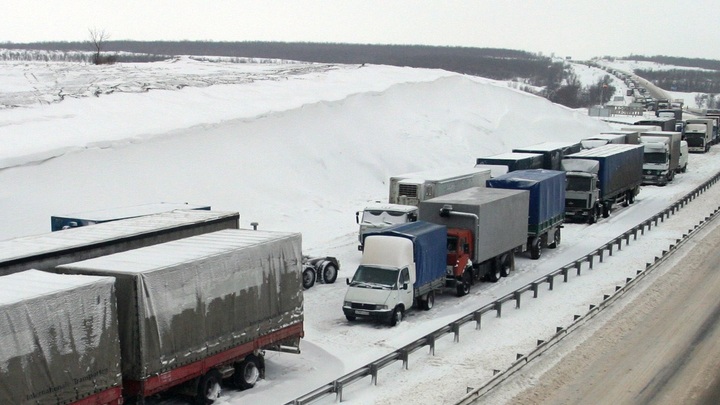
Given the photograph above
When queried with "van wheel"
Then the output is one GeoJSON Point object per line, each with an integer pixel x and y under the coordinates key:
{"type": "Point", "coordinates": [397, 316]}
{"type": "Point", "coordinates": [308, 278]}
{"type": "Point", "coordinates": [429, 301]}
{"type": "Point", "coordinates": [247, 372]}
{"type": "Point", "coordinates": [208, 389]}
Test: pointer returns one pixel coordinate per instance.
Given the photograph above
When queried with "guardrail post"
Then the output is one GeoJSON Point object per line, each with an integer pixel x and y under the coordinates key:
{"type": "Point", "coordinates": [551, 281]}
{"type": "Point", "coordinates": [337, 387]}
{"type": "Point", "coordinates": [477, 316]}
{"type": "Point", "coordinates": [610, 249]}
{"type": "Point", "coordinates": [565, 274]}
{"type": "Point", "coordinates": [601, 253]}
{"type": "Point", "coordinates": [535, 289]}
{"type": "Point", "coordinates": [498, 308]}
{"type": "Point", "coordinates": [455, 327]}
{"type": "Point", "coordinates": [634, 234]}
{"type": "Point", "coordinates": [517, 295]}
{"type": "Point", "coordinates": [431, 343]}
{"type": "Point", "coordinates": [590, 259]}
{"type": "Point", "coordinates": [405, 357]}
{"type": "Point", "coordinates": [373, 374]}
{"type": "Point", "coordinates": [578, 265]}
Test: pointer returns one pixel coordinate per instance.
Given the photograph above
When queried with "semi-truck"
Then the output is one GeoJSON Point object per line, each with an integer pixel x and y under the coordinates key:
{"type": "Point", "coordinates": [47, 250]}
{"type": "Point", "coordinates": [61, 222]}
{"type": "Point", "coordinates": [511, 161]}
{"type": "Point", "coordinates": [546, 210]}
{"type": "Point", "coordinates": [601, 177]}
{"type": "Point", "coordinates": [485, 227]}
{"type": "Point", "coordinates": [699, 134]}
{"type": "Point", "coordinates": [60, 341]}
{"type": "Point", "coordinates": [407, 190]}
{"type": "Point", "coordinates": [195, 311]}
{"type": "Point", "coordinates": [553, 152]}
{"type": "Point", "coordinates": [661, 156]}
{"type": "Point", "coordinates": [665, 123]}
{"type": "Point", "coordinates": [402, 266]}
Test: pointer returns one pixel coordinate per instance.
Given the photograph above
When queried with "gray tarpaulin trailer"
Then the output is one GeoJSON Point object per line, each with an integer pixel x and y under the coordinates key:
{"type": "Point", "coordinates": [45, 251]}
{"type": "Point", "coordinates": [201, 308]}
{"type": "Point", "coordinates": [58, 339]}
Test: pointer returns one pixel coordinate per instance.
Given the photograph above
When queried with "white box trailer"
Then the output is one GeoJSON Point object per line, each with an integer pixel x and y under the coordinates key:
{"type": "Point", "coordinates": [58, 339]}
{"type": "Point", "coordinates": [411, 188]}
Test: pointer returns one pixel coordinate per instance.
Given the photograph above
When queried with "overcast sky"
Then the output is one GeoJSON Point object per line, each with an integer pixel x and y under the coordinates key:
{"type": "Point", "coordinates": [577, 28]}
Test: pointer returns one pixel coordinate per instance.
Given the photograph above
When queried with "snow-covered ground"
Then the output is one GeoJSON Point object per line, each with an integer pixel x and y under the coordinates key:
{"type": "Point", "coordinates": [301, 147]}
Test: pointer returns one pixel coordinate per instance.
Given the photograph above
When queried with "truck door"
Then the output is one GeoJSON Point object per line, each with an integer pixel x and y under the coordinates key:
{"type": "Point", "coordinates": [406, 288]}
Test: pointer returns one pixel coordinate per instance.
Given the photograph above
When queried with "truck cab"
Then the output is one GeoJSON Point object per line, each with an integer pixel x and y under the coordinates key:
{"type": "Point", "coordinates": [582, 195]}
{"type": "Point", "coordinates": [378, 215]}
{"type": "Point", "coordinates": [459, 260]}
{"type": "Point", "coordinates": [661, 157]}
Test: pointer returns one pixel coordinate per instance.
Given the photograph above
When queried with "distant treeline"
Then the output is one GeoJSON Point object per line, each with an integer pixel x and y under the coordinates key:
{"type": "Point", "coordinates": [684, 80]}
{"type": "Point", "coordinates": [499, 64]}
{"type": "Point", "coordinates": [672, 60]}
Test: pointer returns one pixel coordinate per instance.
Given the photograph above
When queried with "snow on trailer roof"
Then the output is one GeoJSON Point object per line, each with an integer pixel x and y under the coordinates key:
{"type": "Point", "coordinates": [474, 195]}
{"type": "Point", "coordinates": [83, 236]}
{"type": "Point", "coordinates": [605, 150]}
{"type": "Point", "coordinates": [192, 249]}
{"type": "Point", "coordinates": [511, 155]}
{"type": "Point", "coordinates": [546, 146]}
{"type": "Point", "coordinates": [440, 174]}
{"type": "Point", "coordinates": [32, 283]}
{"type": "Point", "coordinates": [109, 214]}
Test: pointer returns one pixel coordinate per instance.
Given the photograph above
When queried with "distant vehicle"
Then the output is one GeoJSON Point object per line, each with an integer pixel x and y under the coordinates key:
{"type": "Point", "coordinates": [512, 161]}
{"type": "Point", "coordinates": [553, 152]}
{"type": "Point", "coordinates": [683, 162]}
{"type": "Point", "coordinates": [699, 134]}
{"type": "Point", "coordinates": [661, 156]}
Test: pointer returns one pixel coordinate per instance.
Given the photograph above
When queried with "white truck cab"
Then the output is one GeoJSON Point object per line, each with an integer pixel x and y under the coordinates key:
{"type": "Point", "coordinates": [379, 215]}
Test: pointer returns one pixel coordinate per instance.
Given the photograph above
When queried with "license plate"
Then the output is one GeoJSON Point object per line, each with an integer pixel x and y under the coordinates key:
{"type": "Point", "coordinates": [361, 312]}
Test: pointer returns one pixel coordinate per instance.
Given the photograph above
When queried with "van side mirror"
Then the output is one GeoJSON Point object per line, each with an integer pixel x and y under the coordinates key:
{"type": "Point", "coordinates": [357, 217]}
{"type": "Point", "coordinates": [405, 286]}
{"type": "Point", "coordinates": [412, 217]}
{"type": "Point", "coordinates": [347, 281]}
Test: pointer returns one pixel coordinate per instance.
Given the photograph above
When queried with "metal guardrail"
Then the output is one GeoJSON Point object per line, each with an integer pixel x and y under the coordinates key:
{"type": "Point", "coordinates": [402, 354]}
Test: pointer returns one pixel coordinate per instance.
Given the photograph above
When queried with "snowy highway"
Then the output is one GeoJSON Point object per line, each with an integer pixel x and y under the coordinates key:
{"type": "Point", "coordinates": [303, 152]}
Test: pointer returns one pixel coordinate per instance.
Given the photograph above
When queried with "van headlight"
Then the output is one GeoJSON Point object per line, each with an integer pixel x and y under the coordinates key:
{"type": "Point", "coordinates": [381, 307]}
{"type": "Point", "coordinates": [347, 304]}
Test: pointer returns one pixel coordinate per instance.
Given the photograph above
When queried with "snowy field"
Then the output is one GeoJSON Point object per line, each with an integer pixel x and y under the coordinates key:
{"type": "Point", "coordinates": [301, 147]}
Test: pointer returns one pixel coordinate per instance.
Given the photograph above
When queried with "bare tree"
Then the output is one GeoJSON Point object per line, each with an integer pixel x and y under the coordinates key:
{"type": "Point", "coordinates": [98, 38]}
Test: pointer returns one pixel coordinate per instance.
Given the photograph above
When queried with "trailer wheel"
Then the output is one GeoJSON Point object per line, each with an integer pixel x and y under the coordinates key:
{"type": "Point", "coordinates": [330, 273]}
{"type": "Point", "coordinates": [506, 265]}
{"type": "Point", "coordinates": [397, 316]}
{"type": "Point", "coordinates": [606, 210]}
{"type": "Point", "coordinates": [495, 271]}
{"type": "Point", "coordinates": [631, 196]}
{"type": "Point", "coordinates": [429, 301]}
{"type": "Point", "coordinates": [556, 240]}
{"type": "Point", "coordinates": [536, 248]}
{"type": "Point", "coordinates": [247, 372]}
{"type": "Point", "coordinates": [208, 388]}
{"type": "Point", "coordinates": [308, 277]}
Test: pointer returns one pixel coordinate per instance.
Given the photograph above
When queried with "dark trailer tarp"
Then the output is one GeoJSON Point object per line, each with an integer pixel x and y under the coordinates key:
{"type": "Point", "coordinates": [620, 167]}
{"type": "Point", "coordinates": [45, 251]}
{"type": "Point", "coordinates": [182, 301]}
{"type": "Point", "coordinates": [429, 248]}
{"type": "Point", "coordinates": [547, 195]}
{"type": "Point", "coordinates": [513, 161]}
{"type": "Point", "coordinates": [58, 338]}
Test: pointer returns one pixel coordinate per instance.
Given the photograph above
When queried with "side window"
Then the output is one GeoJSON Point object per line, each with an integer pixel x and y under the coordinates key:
{"type": "Point", "coordinates": [404, 276]}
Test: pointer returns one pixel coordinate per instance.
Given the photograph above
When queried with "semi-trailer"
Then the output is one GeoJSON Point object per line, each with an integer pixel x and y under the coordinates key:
{"type": "Point", "coordinates": [601, 177]}
{"type": "Point", "coordinates": [511, 161]}
{"type": "Point", "coordinates": [602, 139]}
{"type": "Point", "coordinates": [198, 310]}
{"type": "Point", "coordinates": [485, 227]}
{"type": "Point", "coordinates": [59, 341]}
{"type": "Point", "coordinates": [553, 152]}
{"type": "Point", "coordinates": [401, 266]}
{"type": "Point", "coordinates": [546, 210]}
{"type": "Point", "coordinates": [76, 219]}
{"type": "Point", "coordinates": [45, 251]}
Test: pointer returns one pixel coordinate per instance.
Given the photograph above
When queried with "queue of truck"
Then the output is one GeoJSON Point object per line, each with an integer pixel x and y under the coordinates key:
{"type": "Point", "coordinates": [183, 300]}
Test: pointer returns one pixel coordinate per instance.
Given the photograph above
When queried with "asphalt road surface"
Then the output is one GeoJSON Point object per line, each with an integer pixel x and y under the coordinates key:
{"type": "Point", "coordinates": [642, 356]}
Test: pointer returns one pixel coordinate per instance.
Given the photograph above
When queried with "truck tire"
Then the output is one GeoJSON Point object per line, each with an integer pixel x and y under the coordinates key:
{"type": "Point", "coordinates": [247, 372]}
{"type": "Point", "coordinates": [330, 273]}
{"type": "Point", "coordinates": [463, 284]}
{"type": "Point", "coordinates": [536, 248]}
{"type": "Point", "coordinates": [397, 316]}
{"type": "Point", "coordinates": [429, 302]}
{"type": "Point", "coordinates": [606, 210]}
{"type": "Point", "coordinates": [556, 239]}
{"type": "Point", "coordinates": [631, 196]}
{"type": "Point", "coordinates": [495, 272]}
{"type": "Point", "coordinates": [308, 277]}
{"type": "Point", "coordinates": [508, 264]}
{"type": "Point", "coordinates": [208, 389]}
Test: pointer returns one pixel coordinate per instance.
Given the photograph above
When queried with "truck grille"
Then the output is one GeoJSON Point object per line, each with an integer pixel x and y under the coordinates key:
{"type": "Point", "coordinates": [409, 190]}
{"type": "Point", "coordinates": [357, 305]}
{"type": "Point", "coordinates": [575, 203]}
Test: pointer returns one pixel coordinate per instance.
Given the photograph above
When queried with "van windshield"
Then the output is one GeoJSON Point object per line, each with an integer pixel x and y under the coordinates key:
{"type": "Point", "coordinates": [371, 275]}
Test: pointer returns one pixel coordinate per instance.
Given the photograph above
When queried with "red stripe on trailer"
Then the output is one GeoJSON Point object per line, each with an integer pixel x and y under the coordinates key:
{"type": "Point", "coordinates": [112, 396]}
{"type": "Point", "coordinates": [171, 378]}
